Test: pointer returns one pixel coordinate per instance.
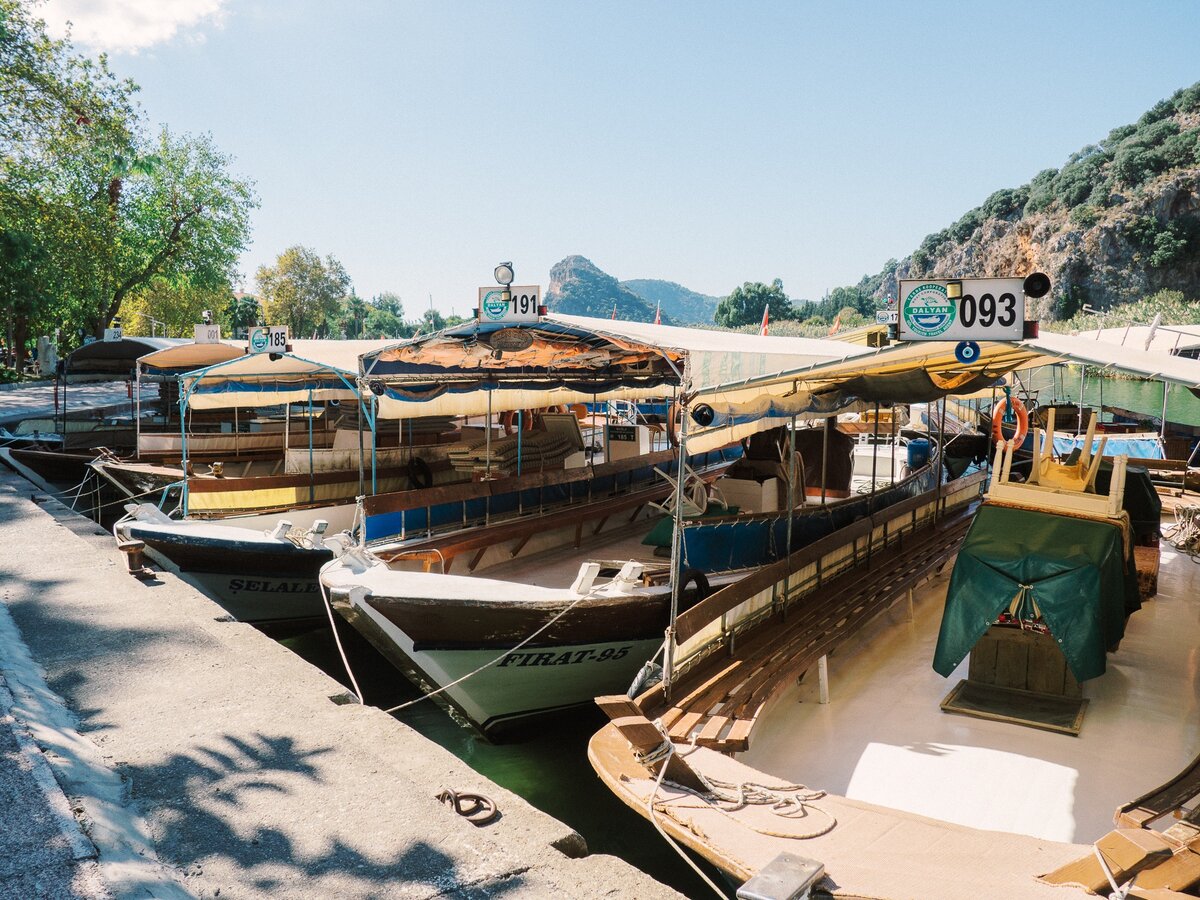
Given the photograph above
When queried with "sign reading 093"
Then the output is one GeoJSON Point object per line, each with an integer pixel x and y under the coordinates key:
{"type": "Point", "coordinates": [988, 309]}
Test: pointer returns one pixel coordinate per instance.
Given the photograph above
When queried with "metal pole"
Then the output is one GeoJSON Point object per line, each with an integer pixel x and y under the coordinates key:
{"type": "Point", "coordinates": [991, 436]}
{"type": "Point", "coordinates": [183, 461]}
{"type": "Point", "coordinates": [824, 456]}
{"type": "Point", "coordinates": [1082, 383]}
{"type": "Point", "coordinates": [875, 457]}
{"type": "Point", "coordinates": [235, 432]}
{"type": "Point", "coordinates": [791, 484]}
{"type": "Point", "coordinates": [937, 497]}
{"type": "Point", "coordinates": [137, 419]}
{"type": "Point", "coordinates": [676, 555]}
{"type": "Point", "coordinates": [311, 486]}
{"type": "Point", "coordinates": [362, 478]}
{"type": "Point", "coordinates": [1162, 430]}
{"type": "Point", "coordinates": [487, 500]}
{"type": "Point", "coordinates": [374, 466]}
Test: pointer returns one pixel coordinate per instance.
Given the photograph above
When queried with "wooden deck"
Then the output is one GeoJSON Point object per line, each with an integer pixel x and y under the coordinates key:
{"type": "Point", "coordinates": [717, 702]}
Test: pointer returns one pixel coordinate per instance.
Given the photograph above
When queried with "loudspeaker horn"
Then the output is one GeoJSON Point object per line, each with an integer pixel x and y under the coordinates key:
{"type": "Point", "coordinates": [1036, 285]}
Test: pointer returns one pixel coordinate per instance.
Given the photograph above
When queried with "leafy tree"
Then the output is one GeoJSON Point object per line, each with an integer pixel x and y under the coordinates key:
{"type": "Point", "coordinates": [170, 307]}
{"type": "Point", "coordinates": [431, 321]}
{"type": "Point", "coordinates": [389, 302]}
{"type": "Point", "coordinates": [240, 313]}
{"type": "Point", "coordinates": [303, 291]}
{"type": "Point", "coordinates": [745, 304]}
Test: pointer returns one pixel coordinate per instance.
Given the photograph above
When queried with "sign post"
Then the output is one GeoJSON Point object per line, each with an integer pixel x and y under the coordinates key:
{"type": "Point", "coordinates": [964, 309]}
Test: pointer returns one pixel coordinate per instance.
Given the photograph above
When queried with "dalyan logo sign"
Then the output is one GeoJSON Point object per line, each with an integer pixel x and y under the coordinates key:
{"type": "Point", "coordinates": [494, 306]}
{"type": "Point", "coordinates": [928, 312]}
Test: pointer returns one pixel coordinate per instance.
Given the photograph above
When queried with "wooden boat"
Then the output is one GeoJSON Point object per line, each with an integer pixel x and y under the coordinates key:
{"type": "Point", "coordinates": [855, 783]}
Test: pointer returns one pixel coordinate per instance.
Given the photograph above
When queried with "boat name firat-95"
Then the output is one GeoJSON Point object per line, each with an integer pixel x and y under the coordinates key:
{"type": "Point", "coordinates": [569, 658]}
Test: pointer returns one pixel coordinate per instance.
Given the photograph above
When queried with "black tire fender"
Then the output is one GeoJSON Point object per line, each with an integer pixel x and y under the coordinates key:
{"type": "Point", "coordinates": [419, 473]}
{"type": "Point", "coordinates": [693, 587]}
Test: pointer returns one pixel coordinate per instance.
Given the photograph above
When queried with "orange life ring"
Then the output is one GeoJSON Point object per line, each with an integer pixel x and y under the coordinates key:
{"type": "Point", "coordinates": [508, 419]}
{"type": "Point", "coordinates": [1022, 420]}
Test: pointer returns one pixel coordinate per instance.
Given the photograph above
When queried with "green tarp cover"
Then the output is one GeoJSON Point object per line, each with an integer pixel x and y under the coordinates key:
{"type": "Point", "coordinates": [1076, 571]}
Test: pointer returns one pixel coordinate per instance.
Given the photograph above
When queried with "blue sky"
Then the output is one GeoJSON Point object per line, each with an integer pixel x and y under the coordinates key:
{"type": "Point", "coordinates": [705, 143]}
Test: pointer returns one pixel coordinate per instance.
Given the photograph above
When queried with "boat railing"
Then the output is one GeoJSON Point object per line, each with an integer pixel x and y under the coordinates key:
{"type": "Point", "coordinates": [443, 508]}
{"type": "Point", "coordinates": [717, 620]}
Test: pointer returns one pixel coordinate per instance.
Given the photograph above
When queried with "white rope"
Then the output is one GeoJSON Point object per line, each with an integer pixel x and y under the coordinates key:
{"type": "Point", "coordinates": [670, 749]}
{"type": "Point", "coordinates": [486, 665]}
{"type": "Point", "coordinates": [333, 626]}
{"type": "Point", "coordinates": [1118, 893]}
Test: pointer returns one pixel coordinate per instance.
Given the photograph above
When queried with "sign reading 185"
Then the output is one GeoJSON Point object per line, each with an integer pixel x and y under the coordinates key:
{"type": "Point", "coordinates": [268, 339]}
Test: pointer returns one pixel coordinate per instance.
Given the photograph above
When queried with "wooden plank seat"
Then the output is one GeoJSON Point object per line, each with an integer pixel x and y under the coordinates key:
{"type": "Point", "coordinates": [520, 530]}
{"type": "Point", "coordinates": [726, 693]}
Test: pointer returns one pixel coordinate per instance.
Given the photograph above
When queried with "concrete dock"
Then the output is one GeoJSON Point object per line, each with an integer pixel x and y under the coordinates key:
{"type": "Point", "coordinates": [194, 756]}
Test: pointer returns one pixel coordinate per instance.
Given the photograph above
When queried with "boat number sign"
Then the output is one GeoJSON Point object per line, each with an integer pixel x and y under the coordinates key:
{"type": "Point", "coordinates": [566, 658]}
{"type": "Point", "coordinates": [521, 306]}
{"type": "Point", "coordinates": [991, 309]}
{"type": "Point", "coordinates": [268, 339]}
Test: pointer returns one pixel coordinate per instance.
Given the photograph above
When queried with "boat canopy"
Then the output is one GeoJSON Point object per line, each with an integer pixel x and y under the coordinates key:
{"type": "Point", "coordinates": [912, 372]}
{"type": "Point", "coordinates": [185, 356]}
{"type": "Point", "coordinates": [1181, 339]}
{"type": "Point", "coordinates": [481, 366]}
{"type": "Point", "coordinates": [112, 360]}
{"type": "Point", "coordinates": [311, 370]}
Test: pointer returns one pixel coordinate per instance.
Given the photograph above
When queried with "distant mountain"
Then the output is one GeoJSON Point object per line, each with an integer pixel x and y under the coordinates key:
{"type": "Point", "coordinates": [579, 288]}
{"type": "Point", "coordinates": [683, 305]}
{"type": "Point", "coordinates": [1119, 221]}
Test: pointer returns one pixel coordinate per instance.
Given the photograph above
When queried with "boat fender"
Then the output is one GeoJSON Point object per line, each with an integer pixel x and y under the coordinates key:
{"type": "Point", "coordinates": [475, 808]}
{"type": "Point", "coordinates": [419, 473]}
{"type": "Point", "coordinates": [1003, 413]}
{"type": "Point", "coordinates": [696, 582]}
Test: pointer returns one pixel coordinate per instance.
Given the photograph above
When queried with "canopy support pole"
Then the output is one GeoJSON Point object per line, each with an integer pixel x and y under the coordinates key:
{"type": "Point", "coordinates": [183, 462]}
{"type": "Point", "coordinates": [991, 437]}
{"type": "Point", "coordinates": [824, 455]}
{"type": "Point", "coordinates": [312, 488]}
{"type": "Point", "coordinates": [235, 432]}
{"type": "Point", "coordinates": [287, 431]}
{"type": "Point", "coordinates": [1162, 429]}
{"type": "Point", "coordinates": [137, 418]}
{"type": "Point", "coordinates": [676, 554]}
{"type": "Point", "coordinates": [487, 474]}
{"type": "Point", "coordinates": [875, 458]}
{"type": "Point", "coordinates": [374, 466]}
{"type": "Point", "coordinates": [362, 478]}
{"type": "Point", "coordinates": [791, 503]}
{"type": "Point", "coordinates": [940, 461]}
{"type": "Point", "coordinates": [1082, 384]}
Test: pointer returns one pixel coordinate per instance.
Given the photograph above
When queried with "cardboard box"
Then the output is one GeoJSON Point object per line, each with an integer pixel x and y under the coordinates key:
{"type": "Point", "coordinates": [751, 496]}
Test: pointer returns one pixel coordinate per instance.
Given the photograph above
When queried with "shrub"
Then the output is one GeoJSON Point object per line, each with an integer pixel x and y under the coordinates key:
{"type": "Point", "coordinates": [1085, 216]}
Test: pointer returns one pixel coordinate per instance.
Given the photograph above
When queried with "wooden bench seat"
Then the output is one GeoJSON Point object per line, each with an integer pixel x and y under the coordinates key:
{"type": "Point", "coordinates": [520, 530]}
{"type": "Point", "coordinates": [728, 692]}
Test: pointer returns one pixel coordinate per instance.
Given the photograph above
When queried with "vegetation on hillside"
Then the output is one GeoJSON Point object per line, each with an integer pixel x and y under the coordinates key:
{"type": "Point", "coordinates": [681, 304]}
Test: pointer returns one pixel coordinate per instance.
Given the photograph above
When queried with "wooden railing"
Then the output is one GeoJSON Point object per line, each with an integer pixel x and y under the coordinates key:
{"type": "Point", "coordinates": [891, 521]}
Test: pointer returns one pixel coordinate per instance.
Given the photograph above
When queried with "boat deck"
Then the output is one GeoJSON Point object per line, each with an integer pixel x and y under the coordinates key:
{"type": "Point", "coordinates": [884, 740]}
{"type": "Point", "coordinates": [557, 567]}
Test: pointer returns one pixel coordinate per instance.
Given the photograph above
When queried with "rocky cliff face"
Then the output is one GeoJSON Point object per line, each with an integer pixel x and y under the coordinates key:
{"type": "Point", "coordinates": [1119, 221]}
{"type": "Point", "coordinates": [579, 288]}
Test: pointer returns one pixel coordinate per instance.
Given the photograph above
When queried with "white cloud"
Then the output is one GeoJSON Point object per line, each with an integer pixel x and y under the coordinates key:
{"type": "Point", "coordinates": [127, 26]}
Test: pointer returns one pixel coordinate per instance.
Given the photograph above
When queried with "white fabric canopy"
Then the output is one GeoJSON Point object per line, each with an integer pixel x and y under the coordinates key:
{"type": "Point", "coordinates": [185, 356]}
{"type": "Point", "coordinates": [1130, 358]}
{"type": "Point", "coordinates": [1165, 339]}
{"type": "Point", "coordinates": [316, 369]}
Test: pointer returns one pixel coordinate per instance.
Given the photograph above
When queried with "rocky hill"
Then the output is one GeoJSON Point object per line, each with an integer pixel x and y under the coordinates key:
{"type": "Point", "coordinates": [687, 307]}
{"type": "Point", "coordinates": [579, 288]}
{"type": "Point", "coordinates": [1120, 220]}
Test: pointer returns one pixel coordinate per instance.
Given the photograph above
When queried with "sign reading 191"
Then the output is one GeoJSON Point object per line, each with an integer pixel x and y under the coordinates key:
{"type": "Point", "coordinates": [988, 309]}
{"type": "Point", "coordinates": [522, 305]}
